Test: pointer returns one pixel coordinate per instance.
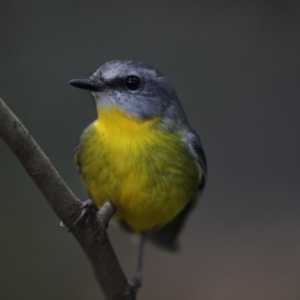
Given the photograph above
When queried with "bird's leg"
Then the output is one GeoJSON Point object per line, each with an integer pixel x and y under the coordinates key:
{"type": "Point", "coordinates": [88, 208]}
{"type": "Point", "coordinates": [136, 282]}
{"type": "Point", "coordinates": [106, 212]}
{"type": "Point", "coordinates": [99, 218]}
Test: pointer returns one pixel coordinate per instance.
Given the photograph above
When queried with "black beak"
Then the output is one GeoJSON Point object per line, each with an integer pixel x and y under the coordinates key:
{"type": "Point", "coordinates": [86, 84]}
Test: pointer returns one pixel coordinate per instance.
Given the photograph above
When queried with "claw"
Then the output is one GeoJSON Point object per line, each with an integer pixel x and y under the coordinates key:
{"type": "Point", "coordinates": [87, 209]}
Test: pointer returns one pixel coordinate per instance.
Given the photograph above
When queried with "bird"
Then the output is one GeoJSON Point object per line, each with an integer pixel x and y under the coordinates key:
{"type": "Point", "coordinates": [140, 152]}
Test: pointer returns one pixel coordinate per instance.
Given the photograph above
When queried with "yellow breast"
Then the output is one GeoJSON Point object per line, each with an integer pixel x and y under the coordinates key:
{"type": "Point", "coordinates": [148, 173]}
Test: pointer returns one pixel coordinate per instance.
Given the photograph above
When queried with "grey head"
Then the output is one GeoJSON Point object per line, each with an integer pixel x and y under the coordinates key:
{"type": "Point", "coordinates": [135, 87]}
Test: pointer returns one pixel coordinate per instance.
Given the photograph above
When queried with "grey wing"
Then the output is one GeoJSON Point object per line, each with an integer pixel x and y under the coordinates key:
{"type": "Point", "coordinates": [166, 237]}
{"type": "Point", "coordinates": [196, 149]}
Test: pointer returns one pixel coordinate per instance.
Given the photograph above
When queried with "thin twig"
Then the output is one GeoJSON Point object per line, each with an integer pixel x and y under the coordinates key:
{"type": "Point", "coordinates": [136, 282]}
{"type": "Point", "coordinates": [66, 205]}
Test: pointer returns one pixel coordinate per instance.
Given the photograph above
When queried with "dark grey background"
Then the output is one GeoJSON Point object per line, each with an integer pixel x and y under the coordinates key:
{"type": "Point", "coordinates": [235, 66]}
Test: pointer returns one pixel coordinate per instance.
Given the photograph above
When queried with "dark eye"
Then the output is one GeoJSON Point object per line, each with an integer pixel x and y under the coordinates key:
{"type": "Point", "coordinates": [132, 82]}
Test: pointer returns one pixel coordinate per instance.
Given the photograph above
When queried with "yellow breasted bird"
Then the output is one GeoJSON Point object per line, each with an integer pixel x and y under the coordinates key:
{"type": "Point", "coordinates": [140, 153]}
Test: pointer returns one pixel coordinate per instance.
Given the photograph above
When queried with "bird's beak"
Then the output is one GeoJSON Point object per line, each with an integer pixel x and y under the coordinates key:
{"type": "Point", "coordinates": [86, 84]}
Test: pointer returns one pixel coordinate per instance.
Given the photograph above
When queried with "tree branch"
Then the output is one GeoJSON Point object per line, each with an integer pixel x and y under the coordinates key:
{"type": "Point", "coordinates": [66, 205]}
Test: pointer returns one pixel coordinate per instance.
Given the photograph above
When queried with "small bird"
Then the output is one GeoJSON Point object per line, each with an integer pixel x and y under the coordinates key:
{"type": "Point", "coordinates": [140, 153]}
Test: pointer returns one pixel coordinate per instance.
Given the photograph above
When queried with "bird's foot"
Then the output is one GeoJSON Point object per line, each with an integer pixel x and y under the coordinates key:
{"type": "Point", "coordinates": [88, 209]}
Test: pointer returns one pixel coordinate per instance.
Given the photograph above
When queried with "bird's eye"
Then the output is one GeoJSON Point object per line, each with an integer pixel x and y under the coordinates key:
{"type": "Point", "coordinates": [132, 82]}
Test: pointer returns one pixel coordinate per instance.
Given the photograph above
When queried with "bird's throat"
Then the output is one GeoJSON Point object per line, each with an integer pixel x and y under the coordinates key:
{"type": "Point", "coordinates": [115, 120]}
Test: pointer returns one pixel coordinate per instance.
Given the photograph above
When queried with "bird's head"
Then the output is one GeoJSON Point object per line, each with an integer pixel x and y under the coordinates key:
{"type": "Point", "coordinates": [138, 89]}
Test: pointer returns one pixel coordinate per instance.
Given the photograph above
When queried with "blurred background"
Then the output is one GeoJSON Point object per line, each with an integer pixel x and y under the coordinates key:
{"type": "Point", "coordinates": [235, 66]}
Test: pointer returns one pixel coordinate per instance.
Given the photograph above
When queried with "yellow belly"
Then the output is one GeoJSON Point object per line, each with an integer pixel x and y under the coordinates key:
{"type": "Point", "coordinates": [148, 173]}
